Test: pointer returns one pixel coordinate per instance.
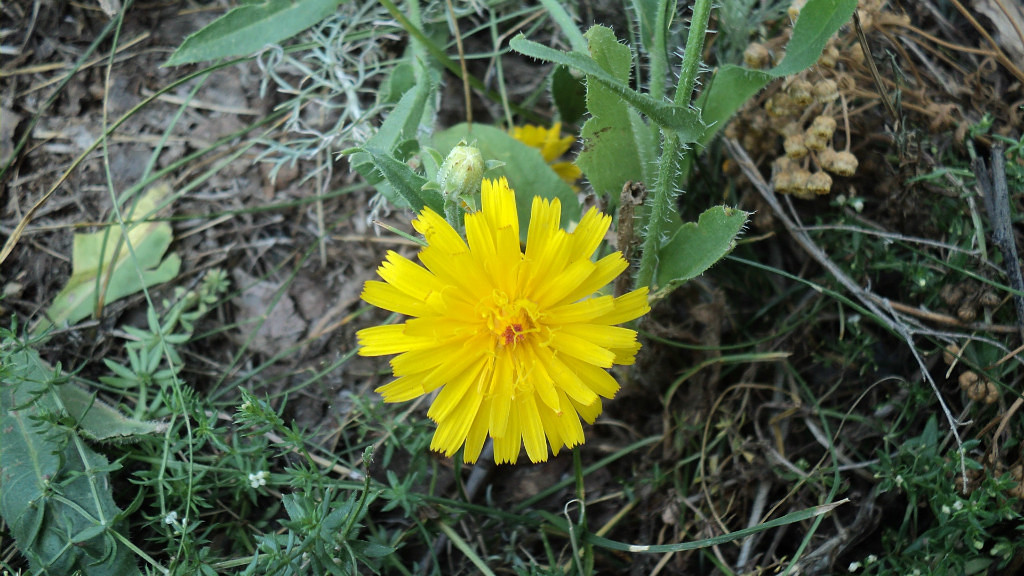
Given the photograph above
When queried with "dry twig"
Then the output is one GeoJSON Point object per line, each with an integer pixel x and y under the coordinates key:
{"type": "Point", "coordinates": [884, 313]}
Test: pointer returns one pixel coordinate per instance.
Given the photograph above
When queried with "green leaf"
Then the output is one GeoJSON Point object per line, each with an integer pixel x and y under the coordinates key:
{"type": "Point", "coordinates": [55, 491]}
{"type": "Point", "coordinates": [100, 262]}
{"type": "Point", "coordinates": [404, 181]}
{"type": "Point", "coordinates": [527, 172]}
{"type": "Point", "coordinates": [733, 85]}
{"type": "Point", "coordinates": [617, 145]}
{"type": "Point", "coordinates": [695, 247]}
{"type": "Point", "coordinates": [401, 126]}
{"type": "Point", "coordinates": [669, 116]}
{"type": "Point", "coordinates": [249, 27]}
{"type": "Point", "coordinates": [569, 94]}
{"type": "Point", "coordinates": [100, 421]}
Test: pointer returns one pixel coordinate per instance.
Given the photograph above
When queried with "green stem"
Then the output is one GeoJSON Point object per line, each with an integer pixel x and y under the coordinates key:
{"type": "Point", "coordinates": [694, 48]}
{"type": "Point", "coordinates": [658, 53]}
{"type": "Point", "coordinates": [659, 208]}
{"type": "Point", "coordinates": [668, 167]}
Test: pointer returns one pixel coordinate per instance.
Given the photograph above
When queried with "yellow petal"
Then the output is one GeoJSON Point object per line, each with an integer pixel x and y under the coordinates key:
{"type": "Point", "coordinates": [402, 389]}
{"type": "Point", "coordinates": [584, 350]}
{"type": "Point", "coordinates": [629, 306]}
{"type": "Point", "coordinates": [452, 431]}
{"type": "Point", "coordinates": [602, 335]}
{"type": "Point", "coordinates": [532, 428]}
{"type": "Point", "coordinates": [596, 378]}
{"type": "Point", "coordinates": [589, 310]}
{"type": "Point", "coordinates": [389, 339]}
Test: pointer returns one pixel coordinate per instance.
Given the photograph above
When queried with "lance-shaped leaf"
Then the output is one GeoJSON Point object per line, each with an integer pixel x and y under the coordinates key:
{"type": "Point", "coordinates": [669, 116]}
{"type": "Point", "coordinates": [102, 263]}
{"type": "Point", "coordinates": [250, 27]}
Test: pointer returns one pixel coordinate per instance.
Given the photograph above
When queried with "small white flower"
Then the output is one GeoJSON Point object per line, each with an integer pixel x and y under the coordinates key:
{"type": "Point", "coordinates": [171, 518]}
{"type": "Point", "coordinates": [871, 559]}
{"type": "Point", "coordinates": [946, 509]}
{"type": "Point", "coordinates": [958, 505]}
{"type": "Point", "coordinates": [854, 566]}
{"type": "Point", "coordinates": [899, 480]}
{"type": "Point", "coordinates": [258, 479]}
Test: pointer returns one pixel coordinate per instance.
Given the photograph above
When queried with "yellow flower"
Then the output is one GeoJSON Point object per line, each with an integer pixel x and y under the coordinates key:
{"type": "Point", "coordinates": [551, 147]}
{"type": "Point", "coordinates": [516, 342]}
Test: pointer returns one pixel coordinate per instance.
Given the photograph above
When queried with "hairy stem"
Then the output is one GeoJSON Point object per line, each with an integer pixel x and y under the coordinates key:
{"type": "Point", "coordinates": [668, 167]}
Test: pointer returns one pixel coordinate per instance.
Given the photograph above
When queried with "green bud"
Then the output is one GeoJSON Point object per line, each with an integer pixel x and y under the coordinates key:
{"type": "Point", "coordinates": [460, 174]}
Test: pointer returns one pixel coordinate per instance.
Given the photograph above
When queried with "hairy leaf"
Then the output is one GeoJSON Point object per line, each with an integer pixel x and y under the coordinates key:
{"type": "Point", "coordinates": [55, 491]}
{"type": "Point", "coordinates": [695, 247]}
{"type": "Point", "coordinates": [617, 145]}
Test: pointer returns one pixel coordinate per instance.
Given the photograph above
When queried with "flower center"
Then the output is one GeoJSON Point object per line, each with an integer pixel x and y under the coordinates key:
{"type": "Point", "coordinates": [510, 320]}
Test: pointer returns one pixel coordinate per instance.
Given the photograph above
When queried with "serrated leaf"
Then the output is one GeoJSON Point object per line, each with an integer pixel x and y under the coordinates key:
{"type": "Point", "coordinates": [524, 167]}
{"type": "Point", "coordinates": [249, 27]}
{"type": "Point", "coordinates": [733, 85]}
{"type": "Point", "coordinates": [669, 116]}
{"type": "Point", "coordinates": [617, 145]}
{"type": "Point", "coordinates": [695, 247]}
{"type": "Point", "coordinates": [101, 262]}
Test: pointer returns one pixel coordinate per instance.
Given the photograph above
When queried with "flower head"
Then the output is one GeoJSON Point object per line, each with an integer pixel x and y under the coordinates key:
{"type": "Point", "coordinates": [515, 341]}
{"type": "Point", "coordinates": [552, 146]}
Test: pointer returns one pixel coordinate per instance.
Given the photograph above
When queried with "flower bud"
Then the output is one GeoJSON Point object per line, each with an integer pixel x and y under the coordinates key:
{"type": "Point", "coordinates": [461, 173]}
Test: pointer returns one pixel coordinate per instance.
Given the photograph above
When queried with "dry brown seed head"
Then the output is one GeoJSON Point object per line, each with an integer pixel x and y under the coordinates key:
{"type": "Point", "coordinates": [819, 183]}
{"type": "Point", "coordinates": [800, 178]}
{"type": "Point", "coordinates": [855, 53]}
{"type": "Point", "coordinates": [794, 146]}
{"type": "Point", "coordinates": [991, 393]}
{"type": "Point", "coordinates": [840, 163]}
{"type": "Point", "coordinates": [951, 294]}
{"type": "Point", "coordinates": [989, 298]}
{"type": "Point", "coordinates": [756, 56]}
{"type": "Point", "coordinates": [801, 92]}
{"type": "Point", "coordinates": [794, 9]}
{"type": "Point", "coordinates": [780, 105]}
{"type": "Point", "coordinates": [783, 182]}
{"type": "Point", "coordinates": [816, 142]}
{"type": "Point", "coordinates": [791, 128]}
{"type": "Point", "coordinates": [951, 353]}
{"type": "Point", "coordinates": [968, 379]}
{"type": "Point", "coordinates": [823, 126]}
{"type": "Point", "coordinates": [825, 90]}
{"type": "Point", "coordinates": [829, 57]}
{"type": "Point", "coordinates": [966, 313]}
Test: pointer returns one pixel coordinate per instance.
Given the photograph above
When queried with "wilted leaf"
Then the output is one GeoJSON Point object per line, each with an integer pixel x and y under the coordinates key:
{"type": "Point", "coordinates": [102, 263]}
